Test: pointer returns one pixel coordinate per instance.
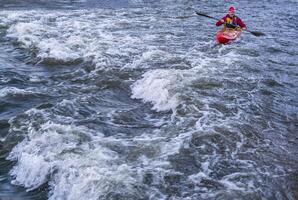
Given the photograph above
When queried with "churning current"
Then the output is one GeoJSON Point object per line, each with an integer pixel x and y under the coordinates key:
{"type": "Point", "coordinates": [134, 100]}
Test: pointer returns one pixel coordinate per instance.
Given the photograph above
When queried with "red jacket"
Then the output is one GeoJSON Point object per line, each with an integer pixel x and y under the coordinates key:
{"type": "Point", "coordinates": [235, 21]}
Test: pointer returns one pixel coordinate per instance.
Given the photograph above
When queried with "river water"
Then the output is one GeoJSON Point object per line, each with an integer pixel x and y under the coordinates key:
{"type": "Point", "coordinates": [133, 99]}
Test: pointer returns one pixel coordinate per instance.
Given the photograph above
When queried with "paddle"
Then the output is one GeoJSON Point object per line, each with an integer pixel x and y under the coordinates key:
{"type": "Point", "coordinates": [255, 33]}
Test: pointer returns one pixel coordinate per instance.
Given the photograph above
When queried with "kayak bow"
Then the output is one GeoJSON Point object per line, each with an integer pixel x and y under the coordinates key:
{"type": "Point", "coordinates": [226, 36]}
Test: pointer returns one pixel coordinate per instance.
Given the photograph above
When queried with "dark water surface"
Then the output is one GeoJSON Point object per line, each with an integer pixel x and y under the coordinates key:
{"type": "Point", "coordinates": [134, 100]}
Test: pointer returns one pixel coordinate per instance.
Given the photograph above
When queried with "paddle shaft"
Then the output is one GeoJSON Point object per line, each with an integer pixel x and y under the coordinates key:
{"type": "Point", "coordinates": [201, 14]}
{"type": "Point", "coordinates": [236, 26]}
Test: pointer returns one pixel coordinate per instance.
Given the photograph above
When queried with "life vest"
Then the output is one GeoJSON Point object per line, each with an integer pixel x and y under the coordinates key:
{"type": "Point", "coordinates": [230, 20]}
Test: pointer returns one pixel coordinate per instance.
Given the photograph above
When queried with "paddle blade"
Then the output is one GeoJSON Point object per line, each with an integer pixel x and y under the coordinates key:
{"type": "Point", "coordinates": [256, 33]}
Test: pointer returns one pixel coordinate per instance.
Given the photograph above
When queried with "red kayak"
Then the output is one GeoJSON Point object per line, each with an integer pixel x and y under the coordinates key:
{"type": "Point", "coordinates": [226, 36]}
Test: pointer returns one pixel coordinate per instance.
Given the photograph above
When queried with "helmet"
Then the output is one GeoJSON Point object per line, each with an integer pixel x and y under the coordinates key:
{"type": "Point", "coordinates": [232, 9]}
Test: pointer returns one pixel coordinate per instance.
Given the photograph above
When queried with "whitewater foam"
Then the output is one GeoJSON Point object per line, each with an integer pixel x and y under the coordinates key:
{"type": "Point", "coordinates": [158, 87]}
{"type": "Point", "coordinates": [13, 91]}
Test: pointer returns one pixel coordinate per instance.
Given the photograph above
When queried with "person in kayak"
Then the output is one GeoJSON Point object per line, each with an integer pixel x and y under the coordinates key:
{"type": "Point", "coordinates": [231, 21]}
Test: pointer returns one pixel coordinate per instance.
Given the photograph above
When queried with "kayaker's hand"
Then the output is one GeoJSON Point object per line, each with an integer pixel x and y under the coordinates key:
{"type": "Point", "coordinates": [222, 21]}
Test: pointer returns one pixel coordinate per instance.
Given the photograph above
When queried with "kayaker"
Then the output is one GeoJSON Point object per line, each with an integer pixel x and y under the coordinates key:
{"type": "Point", "coordinates": [231, 21]}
